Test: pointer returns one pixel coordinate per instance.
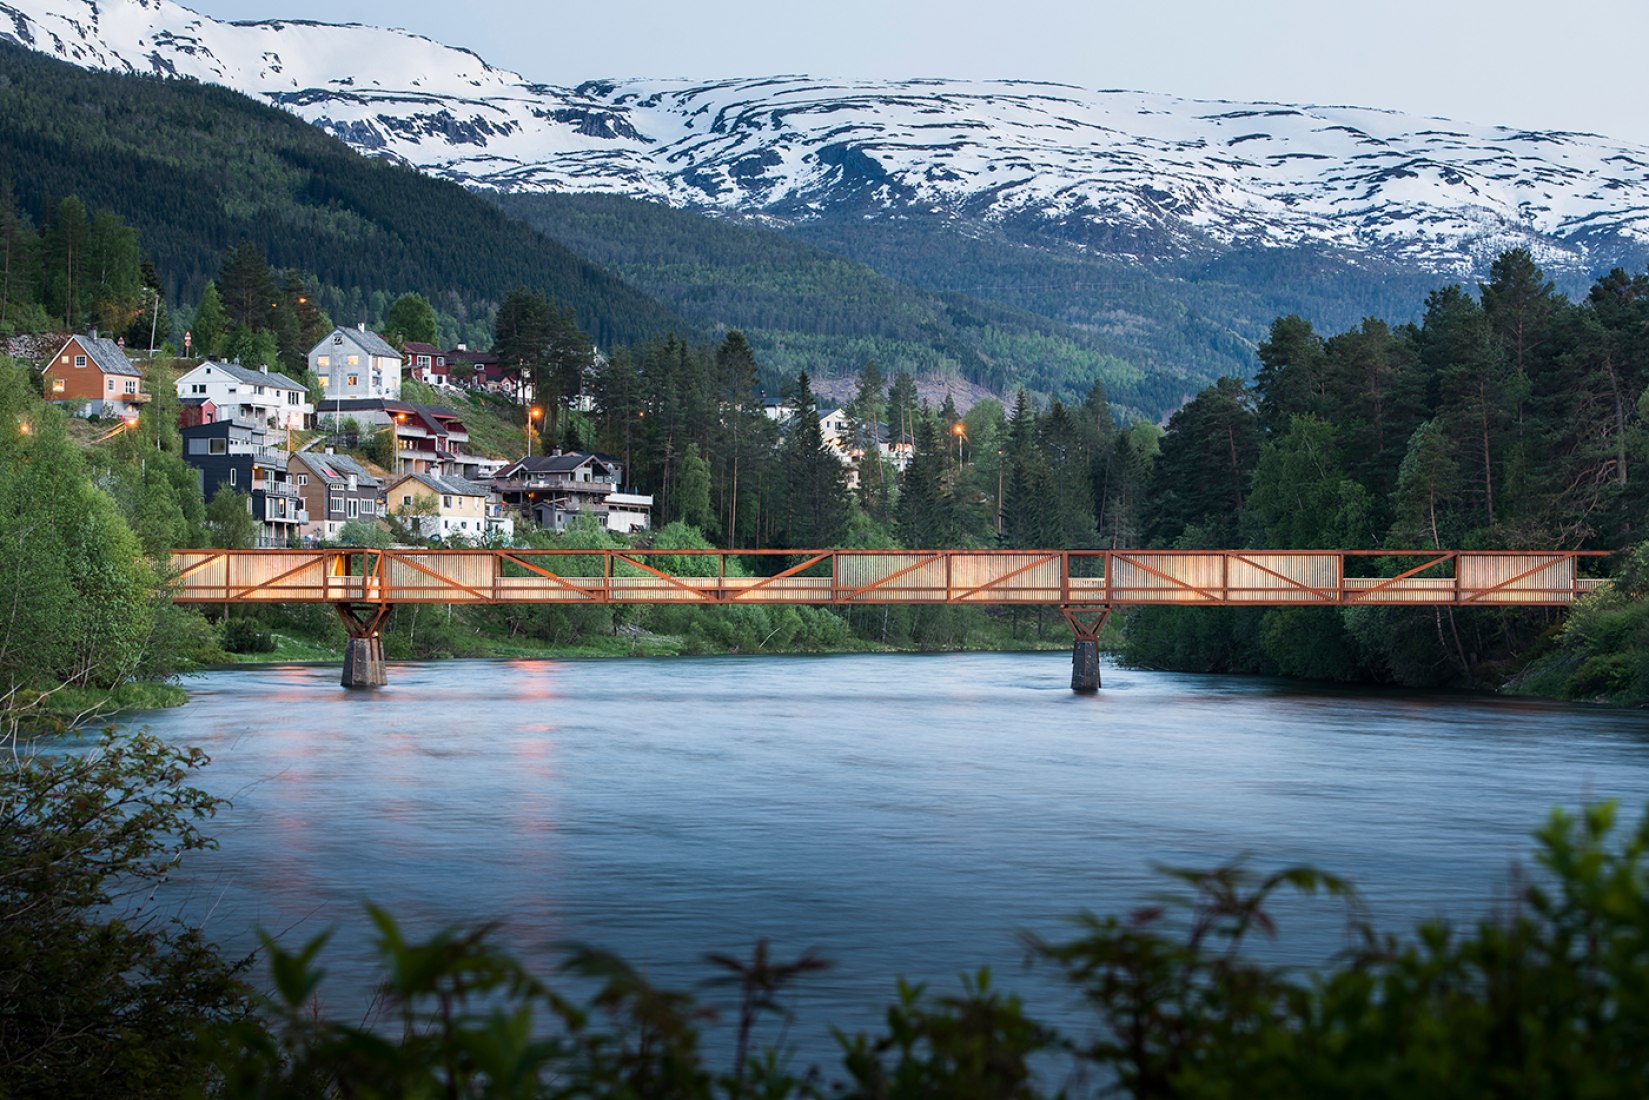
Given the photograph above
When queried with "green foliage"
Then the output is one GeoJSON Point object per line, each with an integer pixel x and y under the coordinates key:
{"type": "Point", "coordinates": [71, 571]}
{"type": "Point", "coordinates": [1545, 997]}
{"type": "Point", "coordinates": [806, 308]}
{"type": "Point", "coordinates": [102, 998]}
{"type": "Point", "coordinates": [411, 318]}
{"type": "Point", "coordinates": [1602, 651]}
{"type": "Point", "coordinates": [229, 519]}
{"type": "Point", "coordinates": [191, 167]}
{"type": "Point", "coordinates": [246, 635]}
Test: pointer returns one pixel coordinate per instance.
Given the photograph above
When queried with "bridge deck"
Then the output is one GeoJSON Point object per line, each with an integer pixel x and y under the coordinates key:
{"type": "Point", "coordinates": [1071, 578]}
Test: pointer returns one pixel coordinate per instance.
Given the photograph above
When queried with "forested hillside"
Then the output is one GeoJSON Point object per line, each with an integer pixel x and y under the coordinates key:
{"type": "Point", "coordinates": [1197, 317]}
{"type": "Point", "coordinates": [804, 308]}
{"type": "Point", "coordinates": [194, 168]}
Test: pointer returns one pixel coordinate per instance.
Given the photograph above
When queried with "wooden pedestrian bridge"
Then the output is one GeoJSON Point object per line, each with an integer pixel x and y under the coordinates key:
{"type": "Point", "coordinates": [365, 584]}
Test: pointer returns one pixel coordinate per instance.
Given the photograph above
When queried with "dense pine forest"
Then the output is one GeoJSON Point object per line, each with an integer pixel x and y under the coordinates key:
{"type": "Point", "coordinates": [193, 168]}
{"type": "Point", "coordinates": [806, 309]}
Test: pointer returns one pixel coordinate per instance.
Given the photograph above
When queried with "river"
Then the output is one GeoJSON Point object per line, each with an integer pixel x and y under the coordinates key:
{"type": "Point", "coordinates": [906, 815]}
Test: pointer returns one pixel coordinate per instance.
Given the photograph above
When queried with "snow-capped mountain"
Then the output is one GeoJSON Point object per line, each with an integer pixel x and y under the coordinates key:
{"type": "Point", "coordinates": [1159, 174]}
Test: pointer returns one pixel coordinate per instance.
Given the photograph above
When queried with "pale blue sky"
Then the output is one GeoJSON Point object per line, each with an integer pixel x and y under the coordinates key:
{"type": "Point", "coordinates": [1509, 62]}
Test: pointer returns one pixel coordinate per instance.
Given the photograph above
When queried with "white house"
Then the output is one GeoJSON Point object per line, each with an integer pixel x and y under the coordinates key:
{"type": "Point", "coordinates": [256, 396]}
{"type": "Point", "coordinates": [354, 362]}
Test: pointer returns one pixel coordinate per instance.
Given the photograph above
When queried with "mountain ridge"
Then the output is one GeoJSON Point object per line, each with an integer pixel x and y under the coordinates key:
{"type": "Point", "coordinates": [1143, 176]}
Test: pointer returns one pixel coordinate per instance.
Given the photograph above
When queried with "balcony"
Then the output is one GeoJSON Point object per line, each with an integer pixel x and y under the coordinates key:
{"type": "Point", "coordinates": [542, 483]}
{"type": "Point", "coordinates": [270, 487]}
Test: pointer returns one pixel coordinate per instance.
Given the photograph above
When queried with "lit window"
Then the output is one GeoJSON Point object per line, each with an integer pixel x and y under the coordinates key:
{"type": "Point", "coordinates": [354, 380]}
{"type": "Point", "coordinates": [323, 360]}
{"type": "Point", "coordinates": [354, 360]}
{"type": "Point", "coordinates": [57, 385]}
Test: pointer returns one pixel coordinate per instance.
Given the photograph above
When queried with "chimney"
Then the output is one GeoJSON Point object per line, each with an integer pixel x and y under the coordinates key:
{"type": "Point", "coordinates": [361, 325]}
{"type": "Point", "coordinates": [329, 450]}
{"type": "Point", "coordinates": [264, 368]}
{"type": "Point", "coordinates": [94, 332]}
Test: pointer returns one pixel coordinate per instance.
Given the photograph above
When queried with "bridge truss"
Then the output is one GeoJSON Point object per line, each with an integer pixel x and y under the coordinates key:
{"type": "Point", "coordinates": [364, 584]}
{"type": "Point", "coordinates": [1065, 578]}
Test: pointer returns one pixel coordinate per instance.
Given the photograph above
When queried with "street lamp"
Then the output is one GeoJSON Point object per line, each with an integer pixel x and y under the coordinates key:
{"type": "Point", "coordinates": [395, 441]}
{"type": "Point", "coordinates": [961, 434]}
{"type": "Point", "coordinates": [532, 414]}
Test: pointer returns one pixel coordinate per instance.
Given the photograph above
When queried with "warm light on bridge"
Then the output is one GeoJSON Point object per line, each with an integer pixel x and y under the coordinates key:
{"type": "Point", "coordinates": [1082, 578]}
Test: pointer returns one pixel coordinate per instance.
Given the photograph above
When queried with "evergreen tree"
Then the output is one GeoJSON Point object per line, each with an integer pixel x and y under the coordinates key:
{"type": "Point", "coordinates": [247, 287]}
{"type": "Point", "coordinates": [815, 495]}
{"type": "Point", "coordinates": [66, 238]}
{"type": "Point", "coordinates": [926, 518]}
{"type": "Point", "coordinates": [693, 495]}
{"type": "Point", "coordinates": [1476, 394]}
{"type": "Point", "coordinates": [1292, 379]}
{"type": "Point", "coordinates": [1202, 474]}
{"type": "Point", "coordinates": [210, 328]}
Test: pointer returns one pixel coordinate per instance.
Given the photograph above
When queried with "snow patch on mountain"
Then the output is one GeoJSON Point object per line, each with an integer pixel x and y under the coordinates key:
{"type": "Point", "coordinates": [1172, 175]}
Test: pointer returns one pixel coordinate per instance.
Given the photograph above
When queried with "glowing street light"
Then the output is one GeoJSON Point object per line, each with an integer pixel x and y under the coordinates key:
{"type": "Point", "coordinates": [532, 414]}
{"type": "Point", "coordinates": [395, 441]}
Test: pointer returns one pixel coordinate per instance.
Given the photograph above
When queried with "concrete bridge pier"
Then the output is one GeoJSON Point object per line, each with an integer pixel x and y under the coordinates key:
{"type": "Point", "coordinates": [1086, 623]}
{"type": "Point", "coordinates": [364, 652]}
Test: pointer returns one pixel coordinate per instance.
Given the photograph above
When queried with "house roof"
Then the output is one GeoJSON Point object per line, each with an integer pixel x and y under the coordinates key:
{"type": "Point", "coordinates": [364, 338]}
{"type": "Point", "coordinates": [436, 419]}
{"type": "Point", "coordinates": [418, 347]}
{"type": "Point", "coordinates": [105, 354]}
{"type": "Point", "coordinates": [336, 468]}
{"type": "Point", "coordinates": [558, 464]}
{"type": "Point", "coordinates": [464, 355]}
{"type": "Point", "coordinates": [250, 375]}
{"type": "Point", "coordinates": [451, 486]}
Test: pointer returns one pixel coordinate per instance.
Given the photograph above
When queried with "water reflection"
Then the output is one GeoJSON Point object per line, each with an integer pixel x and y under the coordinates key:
{"type": "Point", "coordinates": [906, 815]}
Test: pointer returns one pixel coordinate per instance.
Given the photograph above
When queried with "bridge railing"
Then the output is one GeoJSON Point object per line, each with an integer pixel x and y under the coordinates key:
{"type": "Point", "coordinates": [1024, 577]}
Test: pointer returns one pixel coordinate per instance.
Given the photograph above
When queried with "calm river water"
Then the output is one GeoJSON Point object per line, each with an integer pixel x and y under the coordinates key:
{"type": "Point", "coordinates": [903, 814]}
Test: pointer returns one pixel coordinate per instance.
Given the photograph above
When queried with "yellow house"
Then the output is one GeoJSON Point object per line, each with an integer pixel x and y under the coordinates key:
{"type": "Point", "coordinates": [443, 507]}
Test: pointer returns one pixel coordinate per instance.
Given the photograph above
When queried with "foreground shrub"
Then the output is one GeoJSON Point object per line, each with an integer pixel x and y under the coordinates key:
{"type": "Point", "coordinates": [101, 994]}
{"type": "Point", "coordinates": [1547, 999]}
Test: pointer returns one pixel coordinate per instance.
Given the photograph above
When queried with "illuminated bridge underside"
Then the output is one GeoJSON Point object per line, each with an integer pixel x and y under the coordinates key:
{"type": "Point", "coordinates": [1065, 578]}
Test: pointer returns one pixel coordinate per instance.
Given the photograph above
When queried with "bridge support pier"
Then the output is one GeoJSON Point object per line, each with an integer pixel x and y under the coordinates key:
{"type": "Point", "coordinates": [364, 652]}
{"type": "Point", "coordinates": [1086, 623]}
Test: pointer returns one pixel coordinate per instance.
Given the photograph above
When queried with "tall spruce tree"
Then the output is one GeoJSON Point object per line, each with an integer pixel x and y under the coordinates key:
{"type": "Point", "coordinates": [815, 494]}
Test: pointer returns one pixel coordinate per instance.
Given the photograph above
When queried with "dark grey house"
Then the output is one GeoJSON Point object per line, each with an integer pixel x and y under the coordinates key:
{"type": "Point", "coordinates": [238, 456]}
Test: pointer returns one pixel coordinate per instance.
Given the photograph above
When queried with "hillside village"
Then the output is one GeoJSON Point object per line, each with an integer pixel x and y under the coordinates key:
{"type": "Point", "coordinates": [299, 458]}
